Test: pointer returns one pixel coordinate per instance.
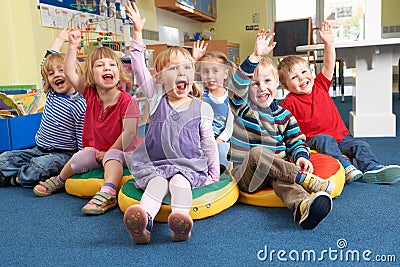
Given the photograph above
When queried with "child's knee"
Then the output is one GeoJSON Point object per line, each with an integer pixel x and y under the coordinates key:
{"type": "Point", "coordinates": [114, 154]}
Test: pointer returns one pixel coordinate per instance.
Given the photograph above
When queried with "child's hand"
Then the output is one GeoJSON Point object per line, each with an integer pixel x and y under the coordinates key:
{"type": "Point", "coordinates": [326, 33]}
{"type": "Point", "coordinates": [100, 156]}
{"type": "Point", "coordinates": [219, 141]}
{"type": "Point", "coordinates": [263, 45]}
{"type": "Point", "coordinates": [74, 37]}
{"type": "Point", "coordinates": [63, 35]}
{"type": "Point", "coordinates": [199, 49]}
{"type": "Point", "coordinates": [134, 15]}
{"type": "Point", "coordinates": [305, 164]}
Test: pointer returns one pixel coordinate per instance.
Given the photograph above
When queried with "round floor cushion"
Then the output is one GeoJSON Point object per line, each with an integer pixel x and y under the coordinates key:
{"type": "Point", "coordinates": [325, 167]}
{"type": "Point", "coordinates": [208, 200]}
{"type": "Point", "coordinates": [87, 184]}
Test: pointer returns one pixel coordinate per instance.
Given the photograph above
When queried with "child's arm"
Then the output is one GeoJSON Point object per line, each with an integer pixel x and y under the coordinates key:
{"type": "Point", "coordinates": [263, 45]}
{"type": "Point", "coordinates": [238, 86]}
{"type": "Point", "coordinates": [327, 38]}
{"type": "Point", "coordinates": [227, 132]}
{"type": "Point", "coordinates": [76, 81]}
{"type": "Point", "coordinates": [208, 143]}
{"type": "Point", "coordinates": [295, 140]}
{"type": "Point", "coordinates": [61, 38]}
{"type": "Point", "coordinates": [143, 77]}
{"type": "Point", "coordinates": [199, 49]}
{"type": "Point", "coordinates": [124, 141]}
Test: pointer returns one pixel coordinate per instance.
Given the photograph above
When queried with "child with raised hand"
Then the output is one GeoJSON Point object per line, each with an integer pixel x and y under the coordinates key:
{"type": "Point", "coordinates": [215, 68]}
{"type": "Point", "coordinates": [111, 122]}
{"type": "Point", "coordinates": [320, 121]}
{"type": "Point", "coordinates": [179, 151]}
{"type": "Point", "coordinates": [60, 132]}
{"type": "Point", "coordinates": [266, 138]}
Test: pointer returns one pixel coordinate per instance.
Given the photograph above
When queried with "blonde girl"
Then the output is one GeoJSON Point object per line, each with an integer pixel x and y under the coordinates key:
{"type": "Point", "coordinates": [179, 151]}
{"type": "Point", "coordinates": [111, 119]}
{"type": "Point", "coordinates": [215, 70]}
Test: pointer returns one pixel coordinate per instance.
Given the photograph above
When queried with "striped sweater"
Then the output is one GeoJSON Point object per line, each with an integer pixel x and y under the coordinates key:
{"type": "Point", "coordinates": [274, 128]}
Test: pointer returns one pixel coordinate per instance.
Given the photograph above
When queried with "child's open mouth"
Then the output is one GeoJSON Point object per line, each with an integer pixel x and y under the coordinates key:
{"type": "Point", "coordinates": [304, 85]}
{"type": "Point", "coordinates": [108, 77]}
{"type": "Point", "coordinates": [59, 82]}
{"type": "Point", "coordinates": [181, 87]}
{"type": "Point", "coordinates": [263, 97]}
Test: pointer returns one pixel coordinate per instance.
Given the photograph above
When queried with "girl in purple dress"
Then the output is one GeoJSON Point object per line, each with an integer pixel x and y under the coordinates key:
{"type": "Point", "coordinates": [179, 151]}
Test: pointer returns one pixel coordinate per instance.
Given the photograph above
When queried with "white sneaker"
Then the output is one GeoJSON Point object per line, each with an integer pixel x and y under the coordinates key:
{"type": "Point", "coordinates": [352, 174]}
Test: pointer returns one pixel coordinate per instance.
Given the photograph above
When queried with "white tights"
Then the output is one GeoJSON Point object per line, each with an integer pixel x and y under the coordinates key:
{"type": "Point", "coordinates": [158, 187]}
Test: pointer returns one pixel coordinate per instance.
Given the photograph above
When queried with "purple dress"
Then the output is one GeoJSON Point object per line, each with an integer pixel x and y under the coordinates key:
{"type": "Point", "coordinates": [171, 146]}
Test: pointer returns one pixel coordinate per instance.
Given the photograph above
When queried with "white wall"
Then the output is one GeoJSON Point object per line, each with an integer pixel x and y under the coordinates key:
{"type": "Point", "coordinates": [183, 24]}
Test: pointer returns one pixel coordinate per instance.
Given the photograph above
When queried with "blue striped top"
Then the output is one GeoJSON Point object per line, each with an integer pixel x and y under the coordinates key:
{"type": "Point", "coordinates": [274, 128]}
{"type": "Point", "coordinates": [62, 122]}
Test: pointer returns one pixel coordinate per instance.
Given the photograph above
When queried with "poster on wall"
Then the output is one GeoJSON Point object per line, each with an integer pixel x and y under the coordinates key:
{"type": "Point", "coordinates": [89, 6]}
{"type": "Point", "coordinates": [94, 16]}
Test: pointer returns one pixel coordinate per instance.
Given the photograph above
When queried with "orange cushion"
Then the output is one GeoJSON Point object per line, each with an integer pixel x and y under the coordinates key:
{"type": "Point", "coordinates": [325, 167]}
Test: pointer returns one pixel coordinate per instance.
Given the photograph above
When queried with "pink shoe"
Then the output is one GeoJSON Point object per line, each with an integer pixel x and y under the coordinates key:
{"type": "Point", "coordinates": [139, 223]}
{"type": "Point", "coordinates": [181, 225]}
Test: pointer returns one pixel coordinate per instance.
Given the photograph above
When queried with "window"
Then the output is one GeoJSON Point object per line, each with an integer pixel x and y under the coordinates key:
{"type": "Point", "coordinates": [346, 16]}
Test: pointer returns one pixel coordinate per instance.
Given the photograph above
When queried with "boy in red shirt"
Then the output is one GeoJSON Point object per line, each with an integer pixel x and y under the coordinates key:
{"type": "Point", "coordinates": [318, 118]}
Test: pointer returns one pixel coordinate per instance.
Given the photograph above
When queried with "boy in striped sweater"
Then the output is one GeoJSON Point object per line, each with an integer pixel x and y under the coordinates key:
{"type": "Point", "coordinates": [60, 131]}
{"type": "Point", "coordinates": [267, 146]}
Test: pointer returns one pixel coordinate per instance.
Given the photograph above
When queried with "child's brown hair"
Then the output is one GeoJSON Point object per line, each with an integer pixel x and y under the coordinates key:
{"type": "Point", "coordinates": [104, 52]}
{"type": "Point", "coordinates": [286, 66]}
{"type": "Point", "coordinates": [166, 56]}
{"type": "Point", "coordinates": [54, 59]}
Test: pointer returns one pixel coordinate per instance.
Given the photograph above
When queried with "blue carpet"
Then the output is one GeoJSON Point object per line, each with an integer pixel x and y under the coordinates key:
{"type": "Point", "coordinates": [364, 224]}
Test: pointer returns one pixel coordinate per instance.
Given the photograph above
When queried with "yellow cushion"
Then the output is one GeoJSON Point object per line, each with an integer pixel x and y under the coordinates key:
{"type": "Point", "coordinates": [325, 167]}
{"type": "Point", "coordinates": [208, 200]}
{"type": "Point", "coordinates": [87, 184]}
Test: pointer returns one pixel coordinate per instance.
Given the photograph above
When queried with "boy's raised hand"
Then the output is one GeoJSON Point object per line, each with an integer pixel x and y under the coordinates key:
{"type": "Point", "coordinates": [326, 33]}
{"type": "Point", "coordinates": [264, 43]}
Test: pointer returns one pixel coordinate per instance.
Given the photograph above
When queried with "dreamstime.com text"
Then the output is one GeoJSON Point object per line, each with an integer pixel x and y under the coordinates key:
{"type": "Point", "coordinates": [340, 253]}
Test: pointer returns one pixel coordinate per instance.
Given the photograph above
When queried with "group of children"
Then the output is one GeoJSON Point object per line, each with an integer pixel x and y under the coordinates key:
{"type": "Point", "coordinates": [231, 122]}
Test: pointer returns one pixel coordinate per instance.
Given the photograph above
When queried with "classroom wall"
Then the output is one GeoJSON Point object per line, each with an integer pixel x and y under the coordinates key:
{"type": "Point", "coordinates": [25, 40]}
{"type": "Point", "coordinates": [232, 18]}
{"type": "Point", "coordinates": [390, 12]}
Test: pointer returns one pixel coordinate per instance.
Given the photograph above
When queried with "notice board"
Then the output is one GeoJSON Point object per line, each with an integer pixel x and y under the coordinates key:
{"type": "Point", "coordinates": [289, 34]}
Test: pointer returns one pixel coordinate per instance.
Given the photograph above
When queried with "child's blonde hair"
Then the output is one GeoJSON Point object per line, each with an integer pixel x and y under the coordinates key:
{"type": "Point", "coordinates": [104, 52]}
{"type": "Point", "coordinates": [166, 56]}
{"type": "Point", "coordinates": [286, 65]}
{"type": "Point", "coordinates": [219, 55]}
{"type": "Point", "coordinates": [58, 60]}
{"type": "Point", "coordinates": [269, 64]}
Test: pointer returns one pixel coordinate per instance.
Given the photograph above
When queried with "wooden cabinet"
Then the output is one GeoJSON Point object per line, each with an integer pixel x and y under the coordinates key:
{"type": "Point", "coordinates": [230, 49]}
{"type": "Point", "coordinates": [199, 10]}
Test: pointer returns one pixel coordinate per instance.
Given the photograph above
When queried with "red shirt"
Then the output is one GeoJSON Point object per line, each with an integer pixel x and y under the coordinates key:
{"type": "Point", "coordinates": [102, 127]}
{"type": "Point", "coordinates": [316, 113]}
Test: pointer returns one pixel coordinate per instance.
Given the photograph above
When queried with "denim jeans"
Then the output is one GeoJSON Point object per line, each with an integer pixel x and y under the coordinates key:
{"type": "Point", "coordinates": [356, 151]}
{"type": "Point", "coordinates": [263, 169]}
{"type": "Point", "coordinates": [32, 165]}
{"type": "Point", "coordinates": [223, 149]}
